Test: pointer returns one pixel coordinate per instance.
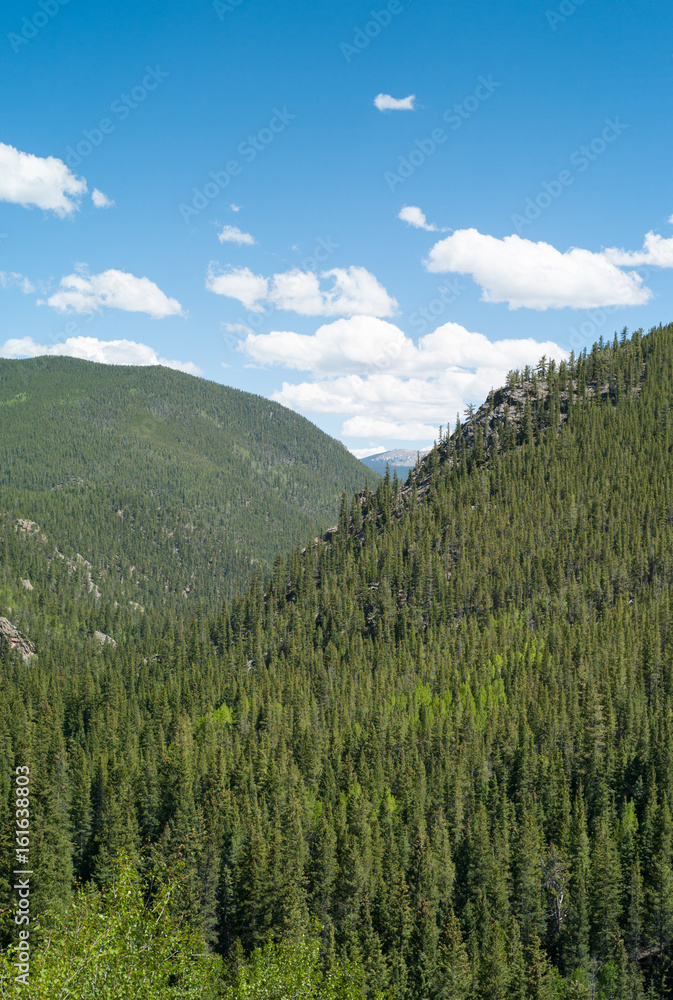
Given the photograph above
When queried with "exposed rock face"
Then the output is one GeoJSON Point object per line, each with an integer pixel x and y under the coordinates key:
{"type": "Point", "coordinates": [105, 639]}
{"type": "Point", "coordinates": [12, 638]}
{"type": "Point", "coordinates": [29, 528]}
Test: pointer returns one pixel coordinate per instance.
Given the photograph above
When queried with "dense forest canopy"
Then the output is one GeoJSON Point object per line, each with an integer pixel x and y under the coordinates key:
{"type": "Point", "coordinates": [428, 756]}
{"type": "Point", "coordinates": [171, 486]}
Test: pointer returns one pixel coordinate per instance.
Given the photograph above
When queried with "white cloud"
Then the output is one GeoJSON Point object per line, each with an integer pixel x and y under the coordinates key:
{"type": "Point", "coordinates": [43, 182]}
{"type": "Point", "coordinates": [357, 292]}
{"type": "Point", "coordinates": [383, 405]}
{"type": "Point", "coordinates": [368, 344]}
{"type": "Point", "coordinates": [656, 252]}
{"type": "Point", "coordinates": [297, 291]}
{"type": "Point", "coordinates": [239, 283]}
{"type": "Point", "coordinates": [353, 291]}
{"type": "Point", "coordinates": [342, 347]}
{"type": "Point", "coordinates": [232, 234]}
{"type": "Point", "coordinates": [384, 102]}
{"type": "Point", "coordinates": [109, 352]}
{"type": "Point", "coordinates": [235, 208]}
{"type": "Point", "coordinates": [11, 279]}
{"type": "Point", "coordinates": [85, 293]}
{"type": "Point", "coordinates": [536, 275]}
{"type": "Point", "coordinates": [383, 383]}
{"type": "Point", "coordinates": [101, 200]}
{"type": "Point", "coordinates": [412, 215]}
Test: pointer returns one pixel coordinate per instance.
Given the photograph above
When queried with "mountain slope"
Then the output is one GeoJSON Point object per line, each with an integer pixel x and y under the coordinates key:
{"type": "Point", "coordinates": [170, 486]}
{"type": "Point", "coordinates": [445, 730]}
{"type": "Point", "coordinates": [485, 665]}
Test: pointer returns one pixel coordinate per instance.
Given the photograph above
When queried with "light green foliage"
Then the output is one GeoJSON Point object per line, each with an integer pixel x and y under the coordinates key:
{"type": "Point", "coordinates": [292, 970]}
{"type": "Point", "coordinates": [118, 945]}
{"type": "Point", "coordinates": [20, 397]}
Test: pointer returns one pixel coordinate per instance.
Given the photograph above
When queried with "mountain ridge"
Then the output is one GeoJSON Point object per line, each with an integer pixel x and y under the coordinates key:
{"type": "Point", "coordinates": [165, 470]}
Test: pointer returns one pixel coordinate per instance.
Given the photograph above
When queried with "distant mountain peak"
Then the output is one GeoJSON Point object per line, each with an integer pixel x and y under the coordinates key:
{"type": "Point", "coordinates": [396, 458]}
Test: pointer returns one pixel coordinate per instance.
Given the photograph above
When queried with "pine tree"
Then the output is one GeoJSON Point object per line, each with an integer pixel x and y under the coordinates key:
{"type": "Point", "coordinates": [452, 975]}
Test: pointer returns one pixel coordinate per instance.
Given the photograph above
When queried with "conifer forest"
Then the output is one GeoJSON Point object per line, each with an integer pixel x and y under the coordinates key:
{"type": "Point", "coordinates": [415, 744]}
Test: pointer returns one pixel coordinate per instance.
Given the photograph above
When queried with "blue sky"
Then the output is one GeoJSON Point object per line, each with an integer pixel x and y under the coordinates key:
{"type": "Point", "coordinates": [532, 140]}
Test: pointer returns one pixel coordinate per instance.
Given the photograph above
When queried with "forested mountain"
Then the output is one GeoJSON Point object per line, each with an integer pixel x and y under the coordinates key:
{"type": "Point", "coordinates": [170, 486]}
{"type": "Point", "coordinates": [429, 756]}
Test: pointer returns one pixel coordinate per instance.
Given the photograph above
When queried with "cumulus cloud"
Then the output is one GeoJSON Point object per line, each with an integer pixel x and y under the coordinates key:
{"type": "Point", "coordinates": [368, 344]}
{"type": "Point", "coordinates": [384, 102]}
{"type": "Point", "coordinates": [42, 182]}
{"type": "Point", "coordinates": [109, 352]}
{"type": "Point", "coordinates": [232, 234]}
{"type": "Point", "coordinates": [412, 215]}
{"type": "Point", "coordinates": [353, 291]}
{"type": "Point", "coordinates": [383, 405]}
{"type": "Point", "coordinates": [656, 252]}
{"type": "Point", "coordinates": [101, 200]}
{"type": "Point", "coordinates": [383, 383]}
{"type": "Point", "coordinates": [239, 283]}
{"type": "Point", "coordinates": [86, 293]}
{"type": "Point", "coordinates": [536, 275]}
{"type": "Point", "coordinates": [11, 279]}
{"type": "Point", "coordinates": [344, 346]}
{"type": "Point", "coordinates": [297, 291]}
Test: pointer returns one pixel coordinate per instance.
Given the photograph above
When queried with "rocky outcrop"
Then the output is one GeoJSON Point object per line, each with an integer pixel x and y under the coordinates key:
{"type": "Point", "coordinates": [523, 401]}
{"type": "Point", "coordinates": [79, 563]}
{"type": "Point", "coordinates": [29, 528]}
{"type": "Point", "coordinates": [11, 638]}
{"type": "Point", "coordinates": [104, 639]}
